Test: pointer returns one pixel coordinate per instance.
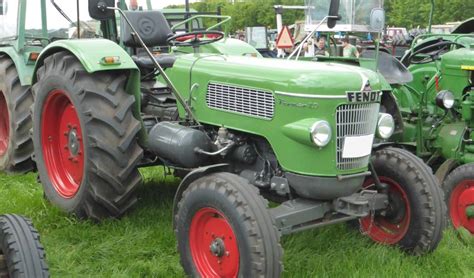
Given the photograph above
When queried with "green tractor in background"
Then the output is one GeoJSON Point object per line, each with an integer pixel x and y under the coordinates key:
{"type": "Point", "coordinates": [430, 100]}
{"type": "Point", "coordinates": [241, 131]}
{"type": "Point", "coordinates": [437, 112]}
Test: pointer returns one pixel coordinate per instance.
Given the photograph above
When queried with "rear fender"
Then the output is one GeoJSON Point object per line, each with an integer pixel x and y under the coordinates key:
{"type": "Point", "coordinates": [23, 67]}
{"type": "Point", "coordinates": [90, 52]}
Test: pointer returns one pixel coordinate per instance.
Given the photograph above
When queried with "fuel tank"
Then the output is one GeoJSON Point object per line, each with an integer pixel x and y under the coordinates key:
{"type": "Point", "coordinates": [178, 144]}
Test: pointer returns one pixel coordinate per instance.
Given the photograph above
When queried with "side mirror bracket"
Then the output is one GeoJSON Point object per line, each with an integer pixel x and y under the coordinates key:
{"type": "Point", "coordinates": [333, 15]}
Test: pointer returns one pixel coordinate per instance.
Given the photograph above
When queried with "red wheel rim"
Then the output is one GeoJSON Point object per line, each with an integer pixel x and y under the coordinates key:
{"type": "Point", "coordinates": [392, 228]}
{"type": "Point", "coordinates": [461, 198]}
{"type": "Point", "coordinates": [62, 145]}
{"type": "Point", "coordinates": [4, 125]}
{"type": "Point", "coordinates": [213, 244]}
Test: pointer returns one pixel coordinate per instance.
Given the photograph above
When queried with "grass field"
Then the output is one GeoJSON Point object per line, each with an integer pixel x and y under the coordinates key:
{"type": "Point", "coordinates": [143, 244]}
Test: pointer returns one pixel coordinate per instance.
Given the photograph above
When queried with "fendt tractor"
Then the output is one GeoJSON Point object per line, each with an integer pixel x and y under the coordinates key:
{"type": "Point", "coordinates": [240, 130]}
{"type": "Point", "coordinates": [437, 107]}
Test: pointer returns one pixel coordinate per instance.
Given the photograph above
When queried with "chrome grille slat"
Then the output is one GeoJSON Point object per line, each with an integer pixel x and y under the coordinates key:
{"type": "Point", "coordinates": [354, 120]}
{"type": "Point", "coordinates": [251, 102]}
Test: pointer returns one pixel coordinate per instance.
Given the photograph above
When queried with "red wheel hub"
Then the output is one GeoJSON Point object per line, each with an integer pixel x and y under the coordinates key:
{"type": "Point", "coordinates": [213, 244]}
{"type": "Point", "coordinates": [4, 125]}
{"type": "Point", "coordinates": [392, 227]}
{"type": "Point", "coordinates": [61, 138]}
{"type": "Point", "coordinates": [462, 197]}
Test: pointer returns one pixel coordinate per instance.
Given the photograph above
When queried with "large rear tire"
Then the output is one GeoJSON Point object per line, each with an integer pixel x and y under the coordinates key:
{"type": "Point", "coordinates": [416, 215]}
{"type": "Point", "coordinates": [224, 229]}
{"type": "Point", "coordinates": [16, 146]}
{"type": "Point", "coordinates": [85, 138]}
{"type": "Point", "coordinates": [459, 197]}
{"type": "Point", "coordinates": [21, 253]}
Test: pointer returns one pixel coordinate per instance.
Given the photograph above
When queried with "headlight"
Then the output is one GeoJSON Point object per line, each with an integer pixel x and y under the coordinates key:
{"type": "Point", "coordinates": [385, 126]}
{"type": "Point", "coordinates": [321, 133]}
{"type": "Point", "coordinates": [445, 99]}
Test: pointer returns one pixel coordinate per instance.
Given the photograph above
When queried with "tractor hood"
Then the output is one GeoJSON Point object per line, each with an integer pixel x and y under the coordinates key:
{"type": "Point", "coordinates": [300, 78]}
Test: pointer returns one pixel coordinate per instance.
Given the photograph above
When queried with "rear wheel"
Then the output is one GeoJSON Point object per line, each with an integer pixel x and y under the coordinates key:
{"type": "Point", "coordinates": [85, 138]}
{"type": "Point", "coordinates": [459, 197]}
{"type": "Point", "coordinates": [415, 217]}
{"type": "Point", "coordinates": [224, 229]}
{"type": "Point", "coordinates": [21, 253]}
{"type": "Point", "coordinates": [16, 146]}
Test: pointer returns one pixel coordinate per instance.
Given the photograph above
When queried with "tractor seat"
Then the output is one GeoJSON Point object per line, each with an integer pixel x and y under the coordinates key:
{"type": "Point", "coordinates": [143, 61]}
{"type": "Point", "coordinates": [154, 31]}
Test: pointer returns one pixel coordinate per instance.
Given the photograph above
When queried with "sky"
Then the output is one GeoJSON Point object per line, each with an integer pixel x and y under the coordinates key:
{"type": "Point", "coordinates": [164, 3]}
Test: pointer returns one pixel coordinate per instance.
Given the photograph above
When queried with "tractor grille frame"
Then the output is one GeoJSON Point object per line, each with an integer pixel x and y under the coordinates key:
{"type": "Point", "coordinates": [356, 119]}
{"type": "Point", "coordinates": [241, 100]}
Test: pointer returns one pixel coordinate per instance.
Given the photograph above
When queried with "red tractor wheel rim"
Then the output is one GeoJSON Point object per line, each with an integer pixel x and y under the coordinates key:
{"type": "Point", "coordinates": [213, 244]}
{"type": "Point", "coordinates": [4, 125]}
{"type": "Point", "coordinates": [389, 229]}
{"type": "Point", "coordinates": [461, 198]}
{"type": "Point", "coordinates": [61, 138]}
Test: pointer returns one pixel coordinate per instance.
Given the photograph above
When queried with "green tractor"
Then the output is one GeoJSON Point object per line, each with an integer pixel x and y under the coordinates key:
{"type": "Point", "coordinates": [436, 108]}
{"type": "Point", "coordinates": [240, 131]}
{"type": "Point", "coordinates": [430, 100]}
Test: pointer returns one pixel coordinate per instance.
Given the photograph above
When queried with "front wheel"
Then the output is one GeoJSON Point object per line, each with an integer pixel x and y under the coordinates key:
{"type": "Point", "coordinates": [21, 253]}
{"type": "Point", "coordinates": [415, 216]}
{"type": "Point", "coordinates": [459, 196]}
{"type": "Point", "coordinates": [224, 229]}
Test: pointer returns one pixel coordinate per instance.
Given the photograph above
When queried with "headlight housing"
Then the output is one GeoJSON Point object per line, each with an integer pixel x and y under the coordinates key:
{"type": "Point", "coordinates": [445, 99]}
{"type": "Point", "coordinates": [385, 126]}
{"type": "Point", "coordinates": [321, 133]}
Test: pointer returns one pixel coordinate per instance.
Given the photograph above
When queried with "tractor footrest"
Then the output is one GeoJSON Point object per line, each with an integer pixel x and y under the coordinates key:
{"type": "Point", "coordinates": [361, 204]}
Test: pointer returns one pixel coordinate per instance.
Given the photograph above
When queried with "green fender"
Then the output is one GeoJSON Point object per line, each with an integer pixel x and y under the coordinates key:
{"type": "Point", "coordinates": [90, 52]}
{"type": "Point", "coordinates": [22, 65]}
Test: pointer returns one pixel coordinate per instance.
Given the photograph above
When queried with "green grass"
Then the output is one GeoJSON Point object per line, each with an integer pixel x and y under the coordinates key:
{"type": "Point", "coordinates": [143, 244]}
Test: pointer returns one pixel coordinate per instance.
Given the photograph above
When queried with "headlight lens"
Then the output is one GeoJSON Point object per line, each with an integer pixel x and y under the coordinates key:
{"type": "Point", "coordinates": [445, 99]}
{"type": "Point", "coordinates": [321, 133]}
{"type": "Point", "coordinates": [385, 126]}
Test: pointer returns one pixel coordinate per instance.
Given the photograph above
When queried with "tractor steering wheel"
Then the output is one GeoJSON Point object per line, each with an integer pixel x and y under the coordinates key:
{"type": "Point", "coordinates": [436, 50]}
{"type": "Point", "coordinates": [196, 39]}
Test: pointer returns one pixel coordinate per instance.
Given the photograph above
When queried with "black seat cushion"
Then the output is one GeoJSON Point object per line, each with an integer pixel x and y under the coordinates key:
{"type": "Point", "coordinates": [143, 61]}
{"type": "Point", "coordinates": [150, 25]}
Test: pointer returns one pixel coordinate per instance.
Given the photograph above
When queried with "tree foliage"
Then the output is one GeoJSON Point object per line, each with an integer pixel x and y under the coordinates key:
{"type": "Point", "coordinates": [403, 13]}
{"type": "Point", "coordinates": [414, 13]}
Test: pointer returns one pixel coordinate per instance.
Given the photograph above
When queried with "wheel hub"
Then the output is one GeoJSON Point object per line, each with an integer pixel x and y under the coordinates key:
{"type": "Point", "coordinates": [213, 244]}
{"type": "Point", "coordinates": [63, 150]}
{"type": "Point", "coordinates": [461, 205]}
{"type": "Point", "coordinates": [396, 210]}
{"type": "Point", "coordinates": [73, 142]}
{"type": "Point", "coordinates": [391, 227]}
{"type": "Point", "coordinates": [217, 247]}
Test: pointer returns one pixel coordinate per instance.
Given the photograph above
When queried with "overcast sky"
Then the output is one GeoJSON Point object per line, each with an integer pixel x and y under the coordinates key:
{"type": "Point", "coordinates": [164, 3]}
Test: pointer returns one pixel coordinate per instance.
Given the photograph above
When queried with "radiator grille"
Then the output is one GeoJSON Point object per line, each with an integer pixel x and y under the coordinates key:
{"type": "Point", "coordinates": [251, 102]}
{"type": "Point", "coordinates": [354, 120]}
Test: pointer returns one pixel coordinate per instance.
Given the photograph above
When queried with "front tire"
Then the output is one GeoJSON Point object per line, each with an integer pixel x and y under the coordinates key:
{"type": "Point", "coordinates": [16, 146]}
{"type": "Point", "coordinates": [459, 196]}
{"type": "Point", "coordinates": [21, 253]}
{"type": "Point", "coordinates": [85, 138]}
{"type": "Point", "coordinates": [224, 229]}
{"type": "Point", "coordinates": [415, 217]}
